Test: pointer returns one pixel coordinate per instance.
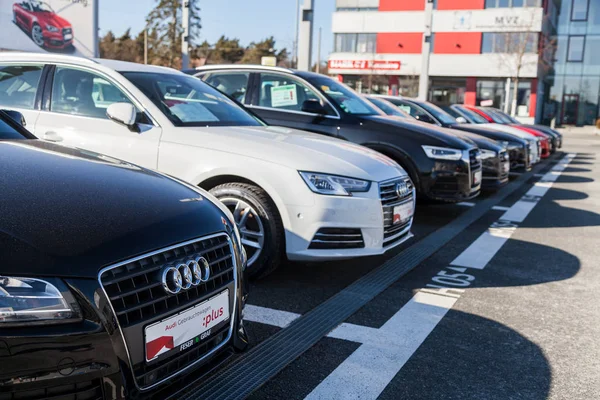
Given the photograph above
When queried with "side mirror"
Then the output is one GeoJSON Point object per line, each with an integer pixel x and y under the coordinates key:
{"type": "Point", "coordinates": [461, 120]}
{"type": "Point", "coordinates": [17, 117]}
{"type": "Point", "coordinates": [424, 118]}
{"type": "Point", "coordinates": [124, 114]}
{"type": "Point", "coordinates": [313, 107]}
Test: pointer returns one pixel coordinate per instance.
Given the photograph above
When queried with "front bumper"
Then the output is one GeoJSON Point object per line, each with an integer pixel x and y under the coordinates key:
{"type": "Point", "coordinates": [57, 40]}
{"type": "Point", "coordinates": [453, 181]}
{"type": "Point", "coordinates": [99, 357]}
{"type": "Point", "coordinates": [495, 172]}
{"type": "Point", "coordinates": [359, 225]}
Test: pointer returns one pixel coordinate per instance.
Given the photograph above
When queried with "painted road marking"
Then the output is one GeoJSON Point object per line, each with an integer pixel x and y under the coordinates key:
{"type": "Point", "coordinates": [500, 208]}
{"type": "Point", "coordinates": [466, 204]}
{"type": "Point", "coordinates": [368, 371]}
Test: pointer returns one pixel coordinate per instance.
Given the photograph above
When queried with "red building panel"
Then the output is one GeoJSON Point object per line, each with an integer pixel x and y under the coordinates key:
{"type": "Point", "coordinates": [457, 43]}
{"type": "Point", "coordinates": [471, 92]}
{"type": "Point", "coordinates": [405, 43]}
{"type": "Point", "coordinates": [401, 5]}
{"type": "Point", "coordinates": [533, 97]}
{"type": "Point", "coordinates": [461, 4]}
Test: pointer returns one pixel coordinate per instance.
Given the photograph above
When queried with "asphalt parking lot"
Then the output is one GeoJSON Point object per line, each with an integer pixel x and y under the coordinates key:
{"type": "Point", "coordinates": [501, 303]}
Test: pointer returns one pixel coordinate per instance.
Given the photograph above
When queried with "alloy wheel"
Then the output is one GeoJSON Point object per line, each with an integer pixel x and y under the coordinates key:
{"type": "Point", "coordinates": [250, 226]}
{"type": "Point", "coordinates": [37, 36]}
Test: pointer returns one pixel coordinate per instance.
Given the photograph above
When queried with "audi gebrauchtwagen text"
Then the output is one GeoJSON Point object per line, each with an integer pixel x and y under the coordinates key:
{"type": "Point", "coordinates": [441, 166]}
{"type": "Point", "coordinates": [115, 281]}
{"type": "Point", "coordinates": [291, 192]}
{"type": "Point", "coordinates": [46, 28]}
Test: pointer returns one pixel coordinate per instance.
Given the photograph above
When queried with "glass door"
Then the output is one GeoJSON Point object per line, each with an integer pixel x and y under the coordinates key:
{"type": "Point", "coordinates": [570, 109]}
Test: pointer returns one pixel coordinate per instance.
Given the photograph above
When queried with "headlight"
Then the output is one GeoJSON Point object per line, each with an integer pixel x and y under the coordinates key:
{"type": "Point", "coordinates": [442, 153]}
{"type": "Point", "coordinates": [488, 154]}
{"type": "Point", "coordinates": [52, 28]}
{"type": "Point", "coordinates": [333, 184]}
{"type": "Point", "coordinates": [32, 301]}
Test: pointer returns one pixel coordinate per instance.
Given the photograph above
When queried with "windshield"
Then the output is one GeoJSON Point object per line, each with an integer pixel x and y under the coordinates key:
{"type": "Point", "coordinates": [41, 7]}
{"type": "Point", "coordinates": [348, 100]}
{"type": "Point", "coordinates": [188, 101]}
{"type": "Point", "coordinates": [472, 116]}
{"type": "Point", "coordinates": [387, 107]}
{"type": "Point", "coordinates": [505, 117]}
{"type": "Point", "coordinates": [7, 132]}
{"type": "Point", "coordinates": [438, 113]}
{"type": "Point", "coordinates": [490, 113]}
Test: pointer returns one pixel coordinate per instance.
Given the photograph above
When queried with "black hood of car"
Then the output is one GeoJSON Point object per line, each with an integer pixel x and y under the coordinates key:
{"type": "Point", "coordinates": [426, 133]}
{"type": "Point", "coordinates": [489, 133]}
{"type": "Point", "coordinates": [68, 213]}
{"type": "Point", "coordinates": [481, 141]}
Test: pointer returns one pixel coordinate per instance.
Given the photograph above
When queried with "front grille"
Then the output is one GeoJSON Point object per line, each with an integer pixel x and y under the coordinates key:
{"type": "Point", "coordinates": [474, 159]}
{"type": "Point", "coordinates": [504, 157]}
{"type": "Point", "coordinates": [337, 238]}
{"type": "Point", "coordinates": [138, 299]}
{"type": "Point", "coordinates": [390, 198]}
{"type": "Point", "coordinates": [136, 292]}
{"type": "Point", "coordinates": [91, 390]}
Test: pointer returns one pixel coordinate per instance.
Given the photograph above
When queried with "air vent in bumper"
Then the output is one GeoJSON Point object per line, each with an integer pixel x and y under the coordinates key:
{"type": "Point", "coordinates": [337, 238]}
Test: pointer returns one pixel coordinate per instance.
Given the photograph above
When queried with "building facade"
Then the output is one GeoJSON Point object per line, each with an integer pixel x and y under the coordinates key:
{"type": "Point", "coordinates": [472, 52]}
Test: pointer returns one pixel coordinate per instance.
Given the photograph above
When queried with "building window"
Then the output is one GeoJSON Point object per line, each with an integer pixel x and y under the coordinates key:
{"type": "Point", "coordinates": [355, 42]}
{"type": "Point", "coordinates": [512, 3]}
{"type": "Point", "coordinates": [579, 10]}
{"type": "Point", "coordinates": [509, 42]}
{"type": "Point", "coordinates": [575, 49]}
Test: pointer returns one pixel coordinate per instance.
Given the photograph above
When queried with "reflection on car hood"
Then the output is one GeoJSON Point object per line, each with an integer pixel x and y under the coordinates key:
{"type": "Point", "coordinates": [296, 149]}
{"type": "Point", "coordinates": [68, 212]}
{"type": "Point", "coordinates": [440, 136]}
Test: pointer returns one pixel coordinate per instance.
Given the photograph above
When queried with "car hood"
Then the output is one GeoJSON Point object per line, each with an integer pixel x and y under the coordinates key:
{"type": "Point", "coordinates": [481, 141]}
{"type": "Point", "coordinates": [429, 134]}
{"type": "Point", "coordinates": [512, 130]}
{"type": "Point", "coordinates": [296, 149]}
{"type": "Point", "coordinates": [69, 213]}
{"type": "Point", "coordinates": [52, 19]}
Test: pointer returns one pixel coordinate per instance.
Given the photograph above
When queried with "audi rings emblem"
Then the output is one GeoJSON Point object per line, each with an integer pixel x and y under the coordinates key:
{"type": "Point", "coordinates": [402, 189]}
{"type": "Point", "coordinates": [185, 275]}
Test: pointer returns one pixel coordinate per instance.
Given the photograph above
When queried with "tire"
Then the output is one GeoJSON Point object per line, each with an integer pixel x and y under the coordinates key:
{"type": "Point", "coordinates": [34, 32]}
{"type": "Point", "coordinates": [244, 197]}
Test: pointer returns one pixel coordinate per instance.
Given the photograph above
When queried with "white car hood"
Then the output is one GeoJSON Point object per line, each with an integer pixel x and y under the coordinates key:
{"type": "Point", "coordinates": [296, 149]}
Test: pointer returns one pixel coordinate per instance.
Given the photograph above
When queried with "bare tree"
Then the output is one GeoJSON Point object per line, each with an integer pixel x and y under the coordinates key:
{"type": "Point", "coordinates": [516, 50]}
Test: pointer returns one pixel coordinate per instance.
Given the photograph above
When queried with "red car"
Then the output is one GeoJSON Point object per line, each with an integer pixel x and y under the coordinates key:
{"type": "Point", "coordinates": [492, 117]}
{"type": "Point", "coordinates": [46, 28]}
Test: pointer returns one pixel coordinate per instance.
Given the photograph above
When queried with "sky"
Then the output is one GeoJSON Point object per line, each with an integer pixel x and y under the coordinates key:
{"type": "Point", "coordinates": [248, 20]}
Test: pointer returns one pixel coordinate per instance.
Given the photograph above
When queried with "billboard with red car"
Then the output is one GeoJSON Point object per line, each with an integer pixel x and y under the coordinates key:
{"type": "Point", "coordinates": [66, 26]}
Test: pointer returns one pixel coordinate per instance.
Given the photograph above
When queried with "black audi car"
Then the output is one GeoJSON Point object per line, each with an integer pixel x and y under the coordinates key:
{"type": "Point", "coordinates": [494, 155]}
{"type": "Point", "coordinates": [519, 149]}
{"type": "Point", "coordinates": [442, 166]}
{"type": "Point", "coordinates": [116, 282]}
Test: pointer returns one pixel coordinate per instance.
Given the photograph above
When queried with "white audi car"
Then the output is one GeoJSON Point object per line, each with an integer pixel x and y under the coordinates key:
{"type": "Point", "coordinates": [291, 192]}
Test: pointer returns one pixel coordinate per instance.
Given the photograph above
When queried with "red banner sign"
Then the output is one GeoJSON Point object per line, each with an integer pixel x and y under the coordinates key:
{"type": "Point", "coordinates": [376, 65]}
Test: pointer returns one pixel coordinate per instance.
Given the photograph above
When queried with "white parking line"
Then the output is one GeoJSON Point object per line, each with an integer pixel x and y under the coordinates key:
{"type": "Point", "coordinates": [368, 371]}
{"type": "Point", "coordinates": [466, 204]}
{"type": "Point", "coordinates": [500, 208]}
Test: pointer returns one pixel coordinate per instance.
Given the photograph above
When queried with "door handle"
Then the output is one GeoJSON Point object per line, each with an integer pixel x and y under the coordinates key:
{"type": "Point", "coordinates": [52, 136]}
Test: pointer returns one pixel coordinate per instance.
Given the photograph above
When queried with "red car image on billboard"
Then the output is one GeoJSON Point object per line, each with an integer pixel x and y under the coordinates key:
{"type": "Point", "coordinates": [46, 28]}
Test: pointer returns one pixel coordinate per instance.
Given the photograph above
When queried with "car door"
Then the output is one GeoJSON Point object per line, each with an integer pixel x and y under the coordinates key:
{"type": "Point", "coordinates": [74, 113]}
{"type": "Point", "coordinates": [280, 101]}
{"type": "Point", "coordinates": [20, 90]}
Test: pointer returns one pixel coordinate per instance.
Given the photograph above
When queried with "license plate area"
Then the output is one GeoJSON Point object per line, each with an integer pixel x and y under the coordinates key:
{"type": "Point", "coordinates": [68, 36]}
{"type": "Point", "coordinates": [477, 175]}
{"type": "Point", "coordinates": [187, 328]}
{"type": "Point", "coordinates": [506, 167]}
{"type": "Point", "coordinates": [403, 213]}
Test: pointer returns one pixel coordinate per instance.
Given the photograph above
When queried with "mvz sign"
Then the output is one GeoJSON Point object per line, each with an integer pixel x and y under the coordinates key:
{"type": "Point", "coordinates": [490, 20]}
